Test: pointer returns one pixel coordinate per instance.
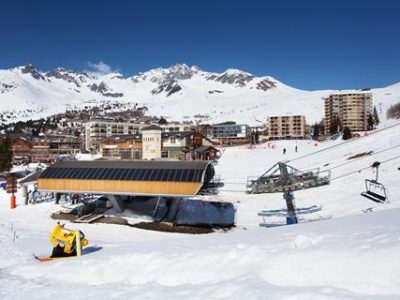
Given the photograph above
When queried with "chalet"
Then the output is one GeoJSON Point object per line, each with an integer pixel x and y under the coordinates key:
{"type": "Point", "coordinates": [22, 149]}
{"type": "Point", "coordinates": [153, 144]}
{"type": "Point", "coordinates": [60, 145]}
{"type": "Point", "coordinates": [189, 145]}
{"type": "Point", "coordinates": [49, 148]}
{"type": "Point", "coordinates": [127, 146]}
{"type": "Point", "coordinates": [40, 150]}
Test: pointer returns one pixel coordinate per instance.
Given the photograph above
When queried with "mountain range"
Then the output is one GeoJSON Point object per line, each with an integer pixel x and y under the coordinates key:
{"type": "Point", "coordinates": [177, 93]}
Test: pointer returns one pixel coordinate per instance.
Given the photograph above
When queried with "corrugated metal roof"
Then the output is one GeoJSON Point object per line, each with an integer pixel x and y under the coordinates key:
{"type": "Point", "coordinates": [167, 171]}
{"type": "Point", "coordinates": [133, 164]}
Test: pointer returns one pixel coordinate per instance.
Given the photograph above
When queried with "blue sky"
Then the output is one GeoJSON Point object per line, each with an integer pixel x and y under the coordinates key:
{"type": "Point", "coordinates": [308, 44]}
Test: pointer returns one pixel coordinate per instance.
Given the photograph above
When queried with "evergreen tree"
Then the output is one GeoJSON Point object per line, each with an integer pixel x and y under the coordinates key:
{"type": "Point", "coordinates": [346, 133]}
{"type": "Point", "coordinates": [376, 118]}
{"type": "Point", "coordinates": [370, 122]}
{"type": "Point", "coordinates": [255, 136]}
{"type": "Point", "coordinates": [322, 127]}
{"type": "Point", "coordinates": [335, 124]}
{"type": "Point", "coordinates": [316, 131]}
{"type": "Point", "coordinates": [162, 121]}
{"type": "Point", "coordinates": [6, 154]}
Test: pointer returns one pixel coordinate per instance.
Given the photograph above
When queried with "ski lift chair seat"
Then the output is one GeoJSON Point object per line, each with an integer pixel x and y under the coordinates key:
{"type": "Point", "coordinates": [372, 186]}
{"type": "Point", "coordinates": [373, 196]}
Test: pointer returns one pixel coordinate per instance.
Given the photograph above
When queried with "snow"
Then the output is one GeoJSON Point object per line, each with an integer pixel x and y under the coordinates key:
{"type": "Point", "coordinates": [351, 252]}
{"type": "Point", "coordinates": [30, 98]}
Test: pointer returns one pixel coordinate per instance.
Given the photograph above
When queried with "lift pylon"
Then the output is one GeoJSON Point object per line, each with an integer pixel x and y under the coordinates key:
{"type": "Point", "coordinates": [283, 178]}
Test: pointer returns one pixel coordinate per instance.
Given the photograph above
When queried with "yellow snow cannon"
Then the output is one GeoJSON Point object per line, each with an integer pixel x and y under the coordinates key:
{"type": "Point", "coordinates": [67, 242]}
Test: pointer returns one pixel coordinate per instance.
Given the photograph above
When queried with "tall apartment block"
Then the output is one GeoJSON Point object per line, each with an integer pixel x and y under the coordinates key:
{"type": "Point", "coordinates": [286, 127]}
{"type": "Point", "coordinates": [352, 109]}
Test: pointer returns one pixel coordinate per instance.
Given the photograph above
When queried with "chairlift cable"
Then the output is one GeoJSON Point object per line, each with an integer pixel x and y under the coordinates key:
{"type": "Point", "coordinates": [362, 157]}
{"type": "Point", "coordinates": [348, 141]}
{"type": "Point", "coordinates": [332, 179]}
{"type": "Point", "coordinates": [363, 169]}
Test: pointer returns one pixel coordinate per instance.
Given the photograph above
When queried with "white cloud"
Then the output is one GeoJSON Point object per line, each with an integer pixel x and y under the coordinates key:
{"type": "Point", "coordinates": [100, 68]}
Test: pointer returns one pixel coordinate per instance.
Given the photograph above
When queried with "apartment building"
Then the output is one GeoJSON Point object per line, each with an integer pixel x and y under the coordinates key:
{"type": "Point", "coordinates": [286, 127]}
{"type": "Point", "coordinates": [97, 130]}
{"type": "Point", "coordinates": [351, 108]}
{"type": "Point", "coordinates": [230, 133]}
{"type": "Point", "coordinates": [175, 127]}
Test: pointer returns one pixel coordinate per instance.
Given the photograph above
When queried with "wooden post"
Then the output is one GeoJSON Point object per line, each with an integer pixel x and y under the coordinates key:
{"type": "Point", "coordinates": [11, 188]}
{"type": "Point", "coordinates": [78, 243]}
{"type": "Point", "coordinates": [25, 192]}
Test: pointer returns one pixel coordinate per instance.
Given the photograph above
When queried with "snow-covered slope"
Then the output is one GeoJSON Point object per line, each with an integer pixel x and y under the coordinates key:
{"type": "Point", "coordinates": [177, 93]}
{"type": "Point", "coordinates": [340, 198]}
{"type": "Point", "coordinates": [352, 252]}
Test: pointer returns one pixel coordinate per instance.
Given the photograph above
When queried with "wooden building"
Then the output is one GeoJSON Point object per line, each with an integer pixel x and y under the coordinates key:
{"type": "Point", "coordinates": [22, 150]}
{"type": "Point", "coordinates": [60, 145]}
{"type": "Point", "coordinates": [40, 151]}
{"type": "Point", "coordinates": [136, 178]}
{"type": "Point", "coordinates": [122, 146]}
{"type": "Point", "coordinates": [189, 145]}
{"type": "Point", "coordinates": [182, 145]}
{"type": "Point", "coordinates": [49, 148]}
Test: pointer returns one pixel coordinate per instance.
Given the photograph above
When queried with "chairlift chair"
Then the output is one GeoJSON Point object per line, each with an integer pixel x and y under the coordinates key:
{"type": "Point", "coordinates": [375, 190]}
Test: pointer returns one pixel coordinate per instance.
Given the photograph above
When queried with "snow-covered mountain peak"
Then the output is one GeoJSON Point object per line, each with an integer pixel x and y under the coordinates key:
{"type": "Point", "coordinates": [182, 68]}
{"type": "Point", "coordinates": [233, 72]}
{"type": "Point", "coordinates": [77, 78]}
{"type": "Point", "coordinates": [112, 76]}
{"type": "Point", "coordinates": [167, 75]}
{"type": "Point", "coordinates": [179, 92]}
{"type": "Point", "coordinates": [31, 70]}
{"type": "Point", "coordinates": [233, 76]}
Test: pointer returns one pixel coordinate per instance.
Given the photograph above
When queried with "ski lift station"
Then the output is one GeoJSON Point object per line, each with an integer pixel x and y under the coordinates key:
{"type": "Point", "coordinates": [126, 183]}
{"type": "Point", "coordinates": [138, 178]}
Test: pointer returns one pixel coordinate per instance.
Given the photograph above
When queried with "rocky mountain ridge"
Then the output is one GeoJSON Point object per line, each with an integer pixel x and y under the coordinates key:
{"type": "Point", "coordinates": [180, 92]}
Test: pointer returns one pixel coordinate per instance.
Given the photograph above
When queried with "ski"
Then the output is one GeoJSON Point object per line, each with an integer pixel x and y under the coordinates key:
{"type": "Point", "coordinates": [48, 258]}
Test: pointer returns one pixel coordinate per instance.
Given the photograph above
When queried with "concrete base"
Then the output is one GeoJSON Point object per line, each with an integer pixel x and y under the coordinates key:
{"type": "Point", "coordinates": [117, 203]}
{"type": "Point", "coordinates": [173, 205]}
